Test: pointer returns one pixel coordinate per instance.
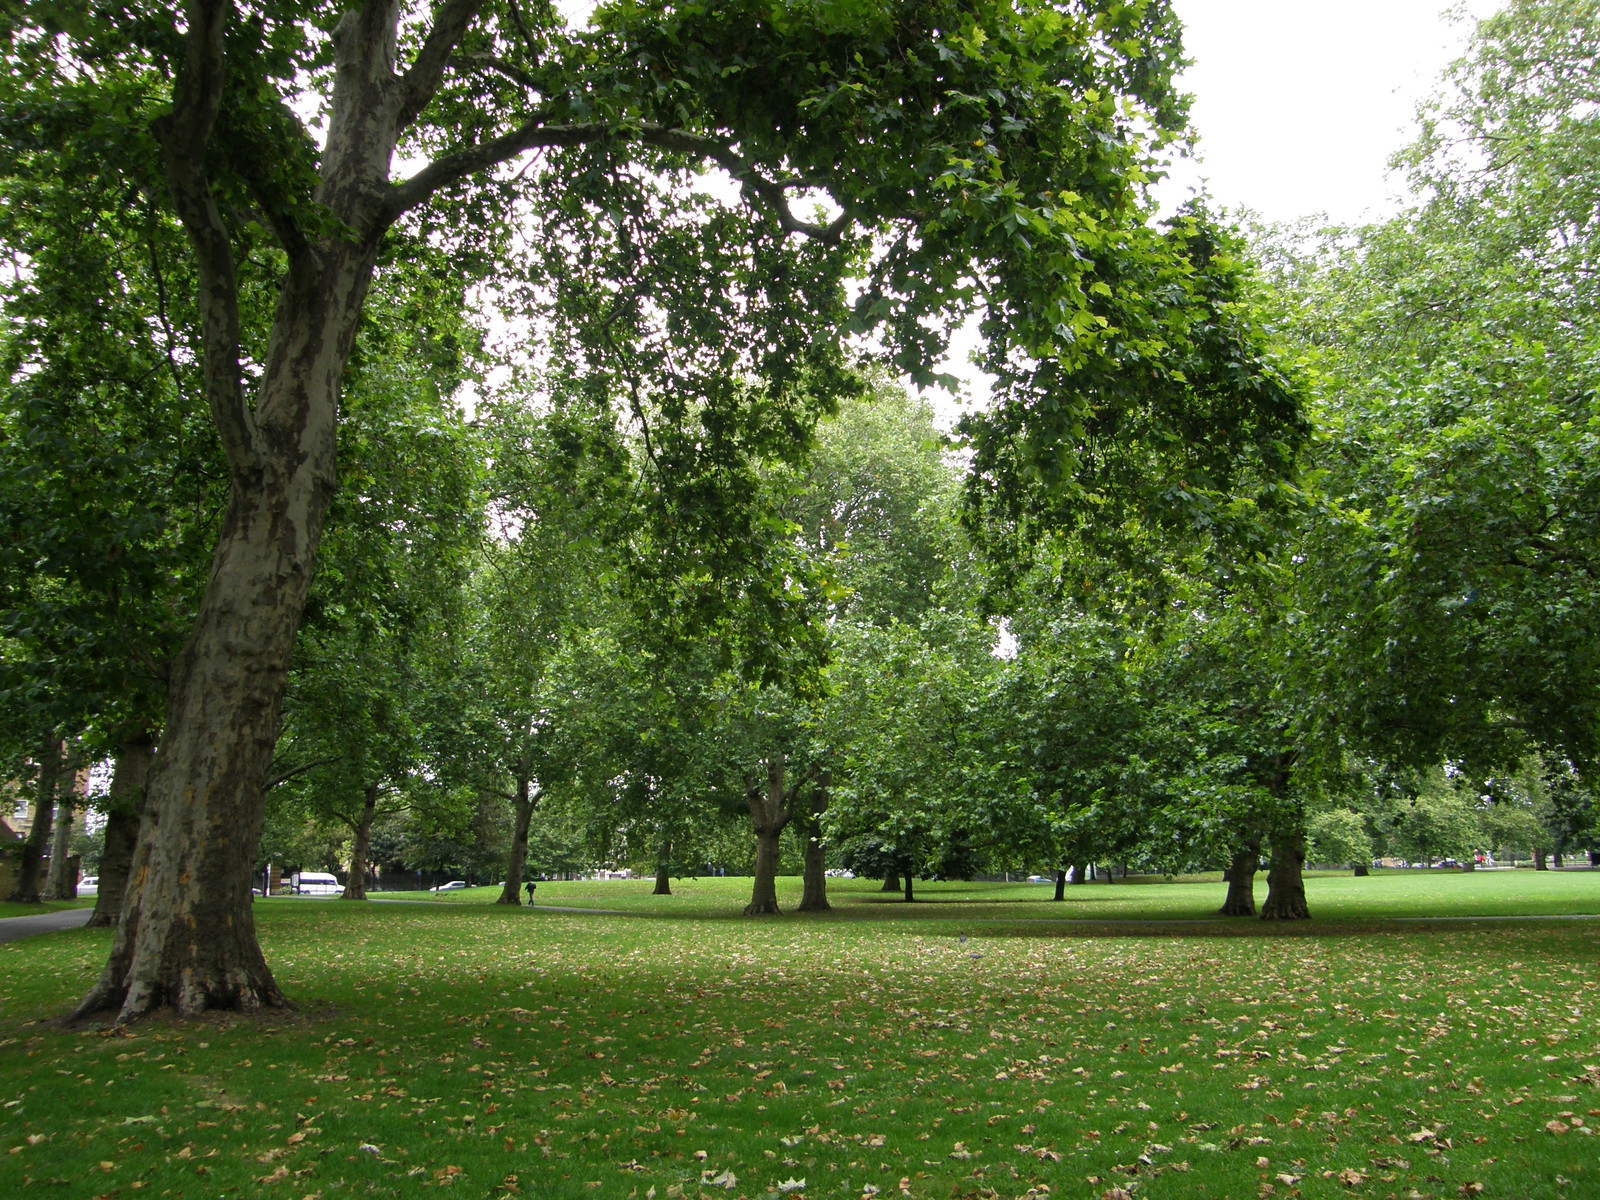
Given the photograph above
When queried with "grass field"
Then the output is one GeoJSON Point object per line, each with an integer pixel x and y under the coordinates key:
{"type": "Point", "coordinates": [968, 1046]}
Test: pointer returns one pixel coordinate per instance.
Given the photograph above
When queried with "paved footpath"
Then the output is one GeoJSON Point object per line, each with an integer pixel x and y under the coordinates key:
{"type": "Point", "coordinates": [12, 928]}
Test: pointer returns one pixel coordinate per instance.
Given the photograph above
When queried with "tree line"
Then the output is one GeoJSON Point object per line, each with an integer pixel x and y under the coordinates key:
{"type": "Point", "coordinates": [1257, 541]}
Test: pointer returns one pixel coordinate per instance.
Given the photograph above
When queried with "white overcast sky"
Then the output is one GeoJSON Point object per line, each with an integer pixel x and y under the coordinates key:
{"type": "Point", "coordinates": [1298, 105]}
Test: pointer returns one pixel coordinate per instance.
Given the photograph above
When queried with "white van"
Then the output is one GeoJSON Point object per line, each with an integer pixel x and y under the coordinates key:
{"type": "Point", "coordinates": [317, 883]}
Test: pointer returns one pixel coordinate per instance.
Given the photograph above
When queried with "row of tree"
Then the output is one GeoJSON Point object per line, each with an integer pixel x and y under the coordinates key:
{"type": "Point", "coordinates": [663, 546]}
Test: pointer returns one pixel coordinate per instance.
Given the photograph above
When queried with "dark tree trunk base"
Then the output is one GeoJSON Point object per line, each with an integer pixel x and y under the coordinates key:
{"type": "Point", "coordinates": [1362, 869]}
{"type": "Point", "coordinates": [891, 882]}
{"type": "Point", "coordinates": [1287, 910]}
{"type": "Point", "coordinates": [1286, 885]}
{"type": "Point", "coordinates": [663, 883]}
{"type": "Point", "coordinates": [237, 992]}
{"type": "Point", "coordinates": [1241, 877]}
{"type": "Point", "coordinates": [1061, 886]}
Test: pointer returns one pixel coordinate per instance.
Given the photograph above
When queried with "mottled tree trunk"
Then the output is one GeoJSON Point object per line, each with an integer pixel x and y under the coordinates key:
{"type": "Point", "coordinates": [523, 803]}
{"type": "Point", "coordinates": [1061, 885]}
{"type": "Point", "coordinates": [891, 882]}
{"type": "Point", "coordinates": [1286, 885]}
{"type": "Point", "coordinates": [186, 937]}
{"type": "Point", "coordinates": [1241, 877]}
{"type": "Point", "coordinates": [61, 882]}
{"type": "Point", "coordinates": [770, 811]}
{"type": "Point", "coordinates": [31, 868]}
{"type": "Point", "coordinates": [808, 820]}
{"type": "Point", "coordinates": [355, 887]}
{"type": "Point", "coordinates": [124, 811]}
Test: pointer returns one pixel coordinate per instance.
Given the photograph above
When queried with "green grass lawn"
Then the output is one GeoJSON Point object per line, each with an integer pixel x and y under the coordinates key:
{"type": "Point", "coordinates": [1342, 896]}
{"type": "Point", "coordinates": [962, 1047]}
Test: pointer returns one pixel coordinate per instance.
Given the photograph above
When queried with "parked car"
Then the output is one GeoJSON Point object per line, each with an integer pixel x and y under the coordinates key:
{"type": "Point", "coordinates": [317, 883]}
{"type": "Point", "coordinates": [89, 885]}
{"type": "Point", "coordinates": [453, 885]}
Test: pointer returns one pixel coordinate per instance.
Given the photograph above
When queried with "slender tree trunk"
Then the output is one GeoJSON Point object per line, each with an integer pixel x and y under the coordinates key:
{"type": "Point", "coordinates": [910, 889]}
{"type": "Point", "coordinates": [1539, 861]}
{"type": "Point", "coordinates": [1241, 877]}
{"type": "Point", "coordinates": [355, 887]}
{"type": "Point", "coordinates": [1061, 885]}
{"type": "Point", "coordinates": [124, 811]}
{"type": "Point", "coordinates": [29, 871]}
{"type": "Point", "coordinates": [1286, 885]}
{"type": "Point", "coordinates": [769, 812]}
{"type": "Point", "coordinates": [891, 882]}
{"type": "Point", "coordinates": [1555, 860]}
{"type": "Point", "coordinates": [814, 890]}
{"type": "Point", "coordinates": [61, 882]}
{"type": "Point", "coordinates": [523, 804]}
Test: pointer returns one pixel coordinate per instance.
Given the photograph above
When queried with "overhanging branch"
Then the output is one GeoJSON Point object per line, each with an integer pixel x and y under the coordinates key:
{"type": "Point", "coordinates": [534, 134]}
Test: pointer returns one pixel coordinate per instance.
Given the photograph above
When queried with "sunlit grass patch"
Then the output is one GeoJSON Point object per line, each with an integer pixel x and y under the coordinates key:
{"type": "Point", "coordinates": [1340, 896]}
{"type": "Point", "coordinates": [509, 1052]}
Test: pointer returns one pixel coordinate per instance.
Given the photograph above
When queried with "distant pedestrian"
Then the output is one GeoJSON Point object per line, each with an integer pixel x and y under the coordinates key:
{"type": "Point", "coordinates": [531, 885]}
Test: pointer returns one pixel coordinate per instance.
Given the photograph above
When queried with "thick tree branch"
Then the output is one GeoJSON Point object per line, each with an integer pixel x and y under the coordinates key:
{"type": "Point", "coordinates": [509, 70]}
{"type": "Point", "coordinates": [284, 776]}
{"type": "Point", "coordinates": [756, 186]}
{"type": "Point", "coordinates": [534, 134]}
{"type": "Point", "coordinates": [184, 134]}
{"type": "Point", "coordinates": [421, 81]}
